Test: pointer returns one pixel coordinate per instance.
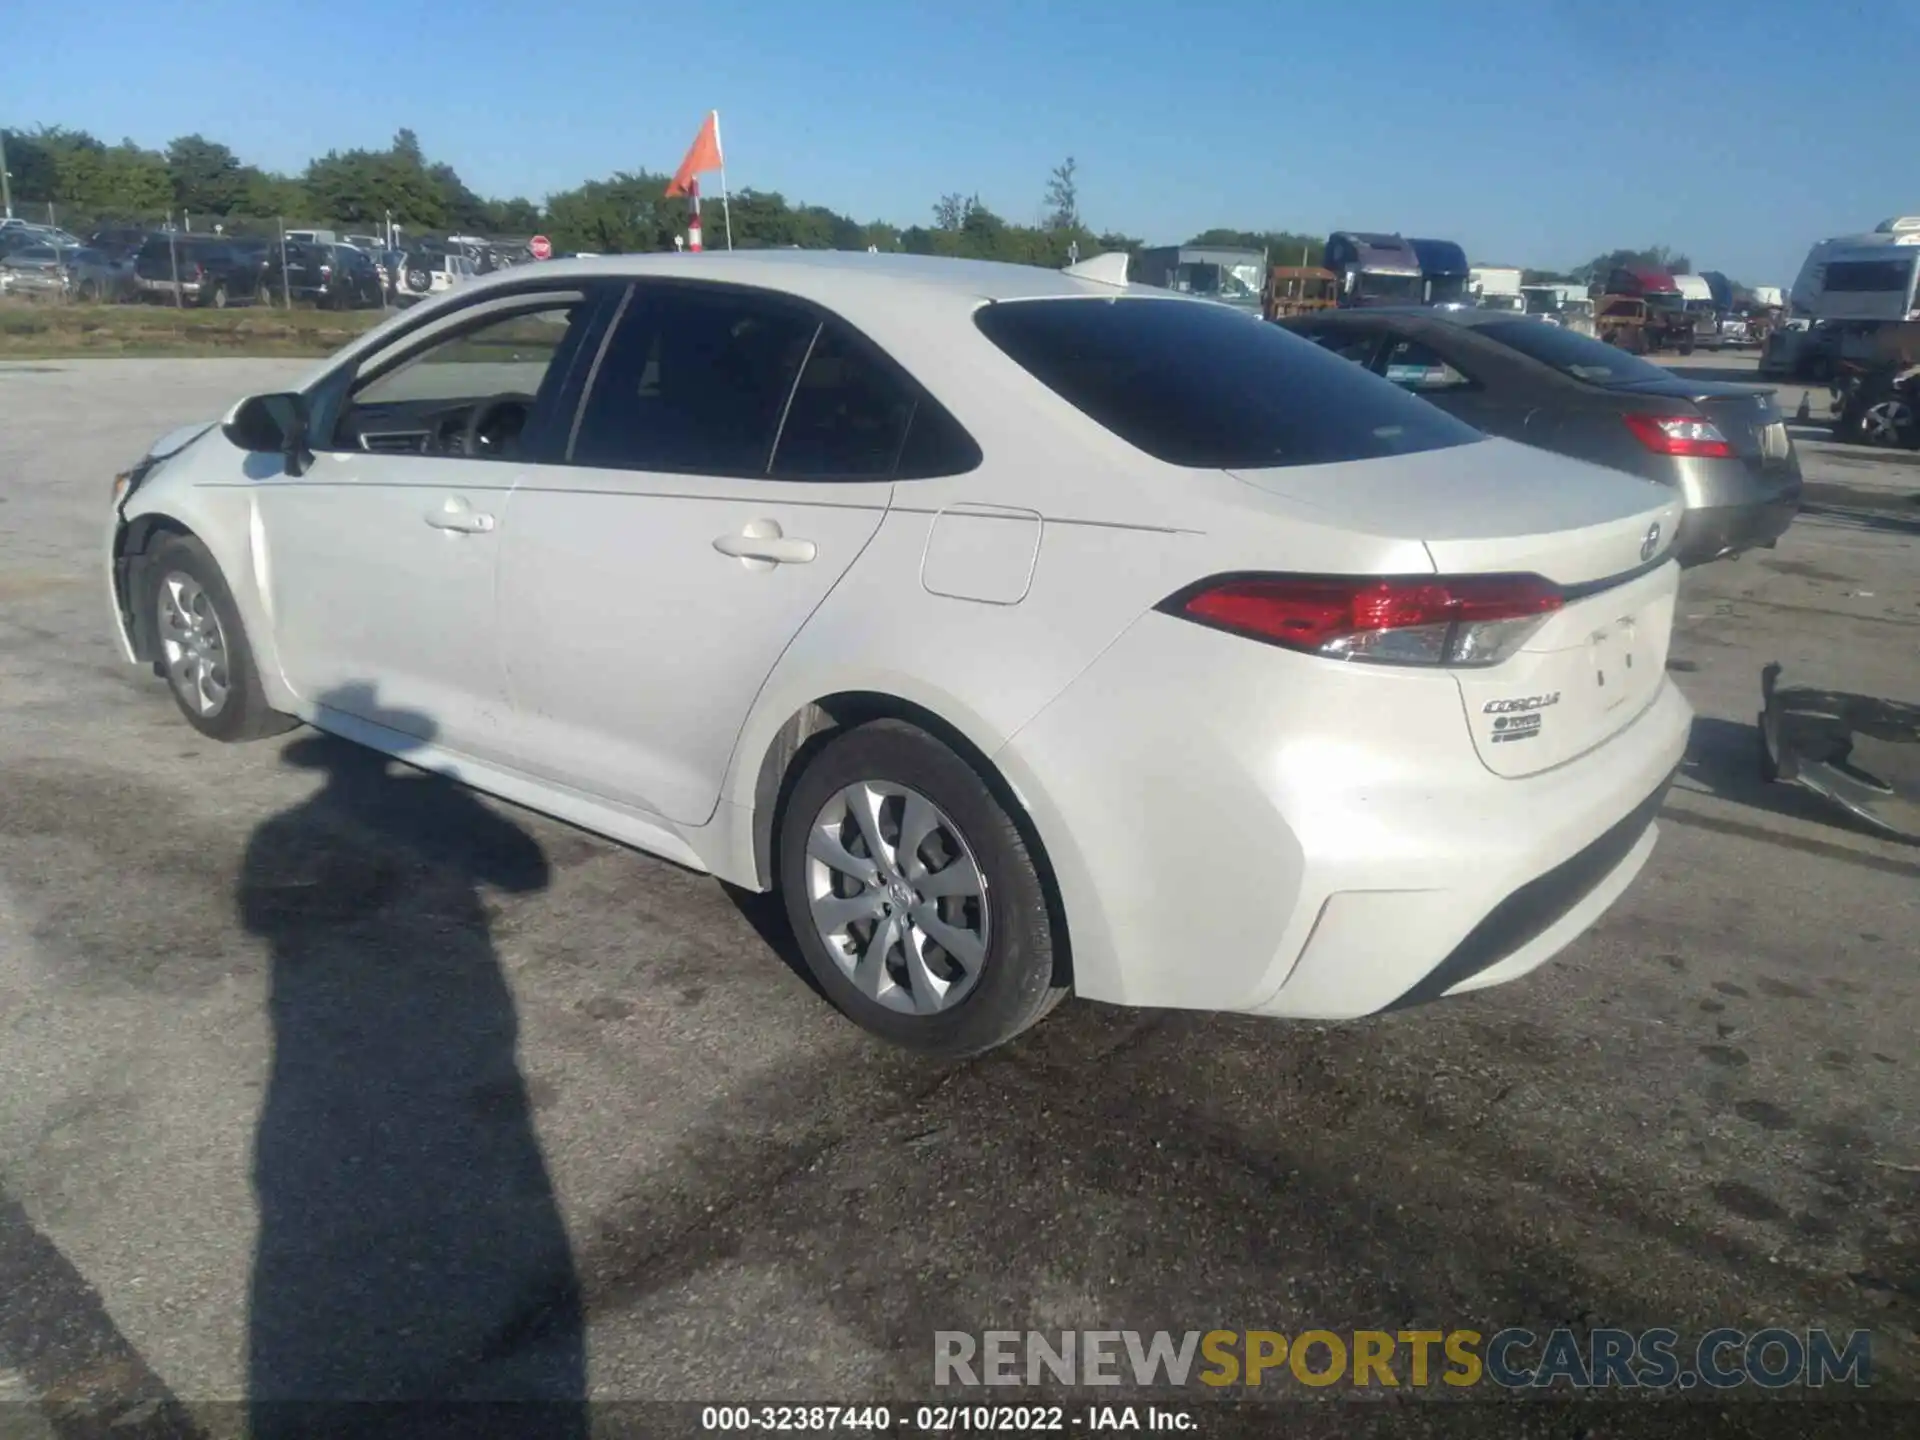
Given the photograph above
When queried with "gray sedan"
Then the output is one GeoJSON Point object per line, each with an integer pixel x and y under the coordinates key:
{"type": "Point", "coordinates": [1724, 447]}
{"type": "Point", "coordinates": [67, 272]}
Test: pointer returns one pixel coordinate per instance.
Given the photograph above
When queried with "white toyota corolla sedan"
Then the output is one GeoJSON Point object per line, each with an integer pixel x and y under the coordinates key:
{"type": "Point", "coordinates": [1028, 631]}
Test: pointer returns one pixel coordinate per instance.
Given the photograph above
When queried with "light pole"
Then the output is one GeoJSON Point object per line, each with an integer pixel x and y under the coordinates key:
{"type": "Point", "coordinates": [6, 186]}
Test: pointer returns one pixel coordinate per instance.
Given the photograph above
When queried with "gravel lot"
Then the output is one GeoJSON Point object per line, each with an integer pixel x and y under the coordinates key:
{"type": "Point", "coordinates": [1708, 1112]}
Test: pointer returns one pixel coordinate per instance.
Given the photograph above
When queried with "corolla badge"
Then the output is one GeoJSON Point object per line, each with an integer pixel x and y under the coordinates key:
{"type": "Point", "coordinates": [1651, 545]}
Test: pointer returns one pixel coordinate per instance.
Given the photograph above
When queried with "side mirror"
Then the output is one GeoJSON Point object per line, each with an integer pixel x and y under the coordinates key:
{"type": "Point", "coordinates": [271, 425]}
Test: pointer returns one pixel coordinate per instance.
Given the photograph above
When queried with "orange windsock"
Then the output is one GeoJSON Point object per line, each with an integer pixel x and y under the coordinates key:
{"type": "Point", "coordinates": [704, 156]}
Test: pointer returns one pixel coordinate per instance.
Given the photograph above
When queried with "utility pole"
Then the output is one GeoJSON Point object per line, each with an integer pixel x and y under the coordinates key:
{"type": "Point", "coordinates": [6, 184]}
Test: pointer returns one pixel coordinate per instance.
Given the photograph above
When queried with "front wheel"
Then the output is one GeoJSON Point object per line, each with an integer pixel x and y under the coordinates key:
{"type": "Point", "coordinates": [915, 899]}
{"type": "Point", "coordinates": [202, 649]}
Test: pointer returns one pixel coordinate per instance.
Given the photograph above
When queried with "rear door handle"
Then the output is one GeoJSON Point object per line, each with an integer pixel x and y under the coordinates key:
{"type": "Point", "coordinates": [455, 514]}
{"type": "Point", "coordinates": [761, 541]}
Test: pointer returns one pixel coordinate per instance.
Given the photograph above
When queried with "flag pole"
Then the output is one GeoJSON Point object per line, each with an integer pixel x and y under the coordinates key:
{"type": "Point", "coordinates": [726, 208]}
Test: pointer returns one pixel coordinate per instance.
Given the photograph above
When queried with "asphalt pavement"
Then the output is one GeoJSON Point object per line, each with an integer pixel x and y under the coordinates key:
{"type": "Point", "coordinates": [320, 1078]}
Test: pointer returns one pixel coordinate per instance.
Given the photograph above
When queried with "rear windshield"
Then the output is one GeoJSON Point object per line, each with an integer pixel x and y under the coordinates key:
{"type": "Point", "coordinates": [1572, 353]}
{"type": "Point", "coordinates": [1198, 384]}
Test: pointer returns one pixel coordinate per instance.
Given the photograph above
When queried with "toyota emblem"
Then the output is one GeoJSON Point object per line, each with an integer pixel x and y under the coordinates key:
{"type": "Point", "coordinates": [1651, 544]}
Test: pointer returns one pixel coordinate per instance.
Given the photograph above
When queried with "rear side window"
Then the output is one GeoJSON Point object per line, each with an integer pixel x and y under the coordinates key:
{"type": "Point", "coordinates": [1571, 353]}
{"type": "Point", "coordinates": [847, 418]}
{"type": "Point", "coordinates": [1202, 385]}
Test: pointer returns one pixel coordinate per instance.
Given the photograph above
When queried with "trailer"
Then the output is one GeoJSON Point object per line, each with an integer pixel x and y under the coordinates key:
{"type": "Point", "coordinates": [1235, 277]}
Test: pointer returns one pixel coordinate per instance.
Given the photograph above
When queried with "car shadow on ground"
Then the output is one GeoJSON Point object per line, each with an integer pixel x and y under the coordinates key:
{"type": "Point", "coordinates": [404, 1203]}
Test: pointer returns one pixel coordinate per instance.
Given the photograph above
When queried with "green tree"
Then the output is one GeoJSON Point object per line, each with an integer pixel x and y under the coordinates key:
{"type": "Point", "coordinates": [205, 176]}
{"type": "Point", "coordinates": [515, 217]}
{"type": "Point", "coordinates": [1655, 257]}
{"type": "Point", "coordinates": [363, 187]}
{"type": "Point", "coordinates": [628, 212]}
{"type": "Point", "coordinates": [1063, 197]}
{"type": "Point", "coordinates": [268, 196]}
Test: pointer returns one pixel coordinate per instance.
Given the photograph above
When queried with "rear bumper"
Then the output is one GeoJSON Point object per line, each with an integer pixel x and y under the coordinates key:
{"type": "Point", "coordinates": [1235, 827]}
{"type": "Point", "coordinates": [1722, 530]}
{"type": "Point", "coordinates": [1735, 505]}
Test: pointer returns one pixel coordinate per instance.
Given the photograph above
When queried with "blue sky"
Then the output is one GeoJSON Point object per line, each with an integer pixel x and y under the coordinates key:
{"type": "Point", "coordinates": [1534, 133]}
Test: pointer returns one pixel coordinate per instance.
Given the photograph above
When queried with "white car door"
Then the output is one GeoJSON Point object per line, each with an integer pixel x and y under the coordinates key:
{"type": "Point", "coordinates": [380, 558]}
{"type": "Point", "coordinates": [734, 455]}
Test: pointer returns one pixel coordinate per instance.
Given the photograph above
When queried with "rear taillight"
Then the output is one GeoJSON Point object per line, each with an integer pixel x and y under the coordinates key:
{"type": "Point", "coordinates": [326, 272]}
{"type": "Point", "coordinates": [1470, 620]}
{"type": "Point", "coordinates": [199, 271]}
{"type": "Point", "coordinates": [1680, 435]}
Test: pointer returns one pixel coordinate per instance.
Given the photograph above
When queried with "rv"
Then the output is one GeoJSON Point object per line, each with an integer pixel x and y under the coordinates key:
{"type": "Point", "coordinates": [1374, 269]}
{"type": "Point", "coordinates": [1805, 291]}
{"type": "Point", "coordinates": [1848, 288]}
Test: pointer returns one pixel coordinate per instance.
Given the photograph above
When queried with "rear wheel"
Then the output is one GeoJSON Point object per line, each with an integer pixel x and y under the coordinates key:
{"type": "Point", "coordinates": [202, 648]}
{"type": "Point", "coordinates": [913, 895]}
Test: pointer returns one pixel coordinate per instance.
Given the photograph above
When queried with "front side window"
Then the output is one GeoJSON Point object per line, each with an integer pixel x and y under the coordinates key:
{"type": "Point", "coordinates": [473, 393]}
{"type": "Point", "coordinates": [694, 380]}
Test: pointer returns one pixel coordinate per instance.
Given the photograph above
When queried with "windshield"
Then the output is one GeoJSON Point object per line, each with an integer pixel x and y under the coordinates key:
{"type": "Point", "coordinates": [1665, 300]}
{"type": "Point", "coordinates": [1446, 289]}
{"type": "Point", "coordinates": [1199, 385]}
{"type": "Point", "coordinates": [1371, 285]}
{"type": "Point", "coordinates": [1542, 302]}
{"type": "Point", "coordinates": [1501, 302]}
{"type": "Point", "coordinates": [1571, 353]}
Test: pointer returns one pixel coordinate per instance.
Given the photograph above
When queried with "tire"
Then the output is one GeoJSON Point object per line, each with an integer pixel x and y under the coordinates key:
{"type": "Point", "coordinates": [943, 1008]}
{"type": "Point", "coordinates": [1686, 347]}
{"type": "Point", "coordinates": [209, 658]}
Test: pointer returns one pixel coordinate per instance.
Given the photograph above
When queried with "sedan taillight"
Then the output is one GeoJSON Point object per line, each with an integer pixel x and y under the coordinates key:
{"type": "Point", "coordinates": [1468, 620]}
{"type": "Point", "coordinates": [1679, 435]}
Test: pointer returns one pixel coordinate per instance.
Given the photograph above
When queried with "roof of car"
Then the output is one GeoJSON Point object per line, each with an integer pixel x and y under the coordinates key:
{"type": "Point", "coordinates": [823, 274]}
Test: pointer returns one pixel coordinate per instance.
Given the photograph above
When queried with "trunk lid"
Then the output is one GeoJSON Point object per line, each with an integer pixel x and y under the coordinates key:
{"type": "Point", "coordinates": [1582, 678]}
{"type": "Point", "coordinates": [1490, 507]}
{"type": "Point", "coordinates": [1499, 507]}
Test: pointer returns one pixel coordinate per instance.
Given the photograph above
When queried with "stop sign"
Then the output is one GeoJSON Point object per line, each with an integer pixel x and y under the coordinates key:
{"type": "Point", "coordinates": [541, 247]}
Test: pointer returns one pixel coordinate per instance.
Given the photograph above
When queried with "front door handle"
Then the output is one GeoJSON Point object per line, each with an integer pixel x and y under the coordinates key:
{"type": "Point", "coordinates": [455, 514]}
{"type": "Point", "coordinates": [761, 545]}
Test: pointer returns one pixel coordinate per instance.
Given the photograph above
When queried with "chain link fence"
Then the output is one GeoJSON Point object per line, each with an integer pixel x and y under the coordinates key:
{"type": "Point", "coordinates": [52, 255]}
